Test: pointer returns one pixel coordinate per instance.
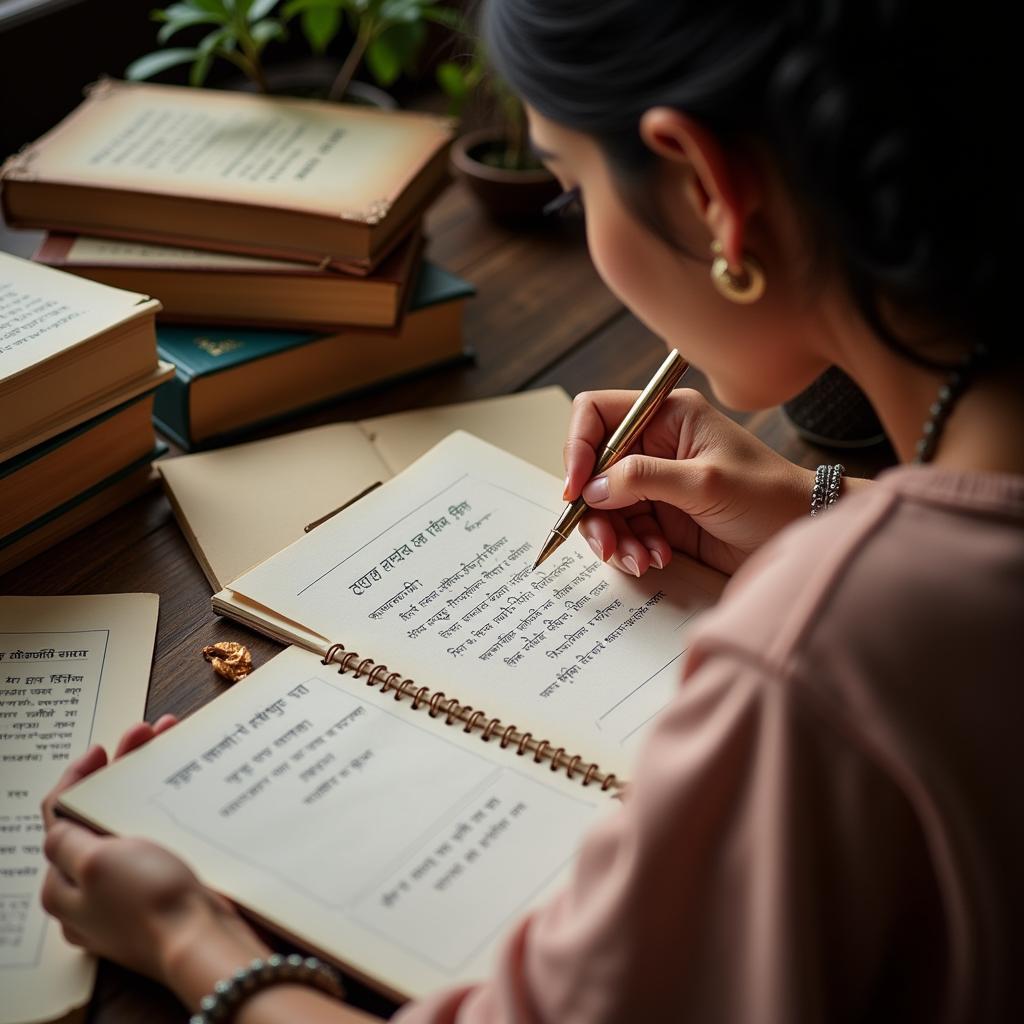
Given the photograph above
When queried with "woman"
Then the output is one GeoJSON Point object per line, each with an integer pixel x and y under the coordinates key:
{"type": "Point", "coordinates": [824, 825]}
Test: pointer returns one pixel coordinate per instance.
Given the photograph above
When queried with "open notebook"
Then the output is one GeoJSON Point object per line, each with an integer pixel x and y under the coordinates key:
{"type": "Point", "coordinates": [343, 793]}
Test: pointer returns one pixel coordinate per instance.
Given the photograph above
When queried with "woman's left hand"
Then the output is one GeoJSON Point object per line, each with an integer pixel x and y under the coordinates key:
{"type": "Point", "coordinates": [124, 899]}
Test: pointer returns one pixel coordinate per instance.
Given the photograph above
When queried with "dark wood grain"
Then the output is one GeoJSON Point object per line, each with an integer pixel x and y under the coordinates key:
{"type": "Point", "coordinates": [542, 316]}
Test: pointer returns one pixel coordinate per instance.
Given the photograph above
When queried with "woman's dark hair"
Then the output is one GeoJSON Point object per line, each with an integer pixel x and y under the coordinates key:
{"type": "Point", "coordinates": [890, 121]}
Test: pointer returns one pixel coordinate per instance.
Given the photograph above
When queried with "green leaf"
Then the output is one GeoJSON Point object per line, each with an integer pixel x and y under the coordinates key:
{"type": "Point", "coordinates": [448, 17]}
{"type": "Point", "coordinates": [153, 63]}
{"type": "Point", "coordinates": [211, 41]}
{"type": "Point", "coordinates": [200, 69]}
{"type": "Point", "coordinates": [176, 11]}
{"type": "Point", "coordinates": [260, 9]}
{"type": "Point", "coordinates": [320, 25]}
{"type": "Point", "coordinates": [384, 63]}
{"type": "Point", "coordinates": [212, 6]}
{"type": "Point", "coordinates": [395, 11]}
{"type": "Point", "coordinates": [294, 7]}
{"type": "Point", "coordinates": [452, 80]}
{"type": "Point", "coordinates": [404, 42]}
{"type": "Point", "coordinates": [263, 31]}
{"type": "Point", "coordinates": [175, 25]}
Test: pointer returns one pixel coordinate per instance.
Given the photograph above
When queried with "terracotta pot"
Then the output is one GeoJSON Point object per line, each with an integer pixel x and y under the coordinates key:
{"type": "Point", "coordinates": [507, 195]}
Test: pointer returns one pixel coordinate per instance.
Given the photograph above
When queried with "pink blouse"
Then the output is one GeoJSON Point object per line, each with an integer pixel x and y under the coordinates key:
{"type": "Point", "coordinates": [827, 822]}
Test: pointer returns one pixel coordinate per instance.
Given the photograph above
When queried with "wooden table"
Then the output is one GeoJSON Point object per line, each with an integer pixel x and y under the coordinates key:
{"type": "Point", "coordinates": [542, 316]}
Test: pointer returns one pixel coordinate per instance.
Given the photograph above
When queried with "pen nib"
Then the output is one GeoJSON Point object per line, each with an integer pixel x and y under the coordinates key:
{"type": "Point", "coordinates": [553, 542]}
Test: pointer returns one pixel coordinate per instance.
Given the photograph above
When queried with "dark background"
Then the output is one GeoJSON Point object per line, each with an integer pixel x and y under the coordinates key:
{"type": "Point", "coordinates": [51, 49]}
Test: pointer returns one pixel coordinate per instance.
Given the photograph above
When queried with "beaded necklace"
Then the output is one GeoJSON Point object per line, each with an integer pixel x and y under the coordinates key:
{"type": "Point", "coordinates": [954, 386]}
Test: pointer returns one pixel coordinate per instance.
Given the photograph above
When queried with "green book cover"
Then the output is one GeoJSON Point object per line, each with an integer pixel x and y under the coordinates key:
{"type": "Point", "coordinates": [201, 352]}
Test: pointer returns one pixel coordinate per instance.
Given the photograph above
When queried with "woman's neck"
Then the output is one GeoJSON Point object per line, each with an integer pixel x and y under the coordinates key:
{"type": "Point", "coordinates": [985, 428]}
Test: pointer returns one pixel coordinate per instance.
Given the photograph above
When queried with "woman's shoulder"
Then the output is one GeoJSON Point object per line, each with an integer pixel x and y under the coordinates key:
{"type": "Point", "coordinates": [890, 626]}
{"type": "Point", "coordinates": [874, 579]}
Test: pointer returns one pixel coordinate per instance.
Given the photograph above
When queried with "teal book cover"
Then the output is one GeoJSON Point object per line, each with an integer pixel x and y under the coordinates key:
{"type": "Point", "coordinates": [217, 349]}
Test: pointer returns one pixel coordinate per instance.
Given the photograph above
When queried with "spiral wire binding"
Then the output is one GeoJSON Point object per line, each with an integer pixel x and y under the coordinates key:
{"type": "Point", "coordinates": [437, 703]}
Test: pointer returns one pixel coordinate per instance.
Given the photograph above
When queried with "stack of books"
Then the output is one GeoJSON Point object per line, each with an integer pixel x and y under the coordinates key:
{"type": "Point", "coordinates": [282, 237]}
{"type": "Point", "coordinates": [78, 375]}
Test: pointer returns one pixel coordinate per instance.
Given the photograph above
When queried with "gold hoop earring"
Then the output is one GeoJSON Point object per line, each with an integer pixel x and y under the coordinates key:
{"type": "Point", "coordinates": [746, 287]}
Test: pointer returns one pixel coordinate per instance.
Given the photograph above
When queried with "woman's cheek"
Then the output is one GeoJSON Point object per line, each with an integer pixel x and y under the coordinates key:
{"type": "Point", "coordinates": [623, 258]}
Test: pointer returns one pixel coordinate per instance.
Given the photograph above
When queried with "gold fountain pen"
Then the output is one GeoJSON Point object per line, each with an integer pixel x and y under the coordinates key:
{"type": "Point", "coordinates": [619, 443]}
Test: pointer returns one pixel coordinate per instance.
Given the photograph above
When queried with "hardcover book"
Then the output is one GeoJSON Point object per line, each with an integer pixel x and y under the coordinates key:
{"type": "Point", "coordinates": [67, 347]}
{"type": "Point", "coordinates": [227, 380]}
{"type": "Point", "coordinates": [58, 470]}
{"type": "Point", "coordinates": [92, 505]}
{"type": "Point", "coordinates": [197, 286]}
{"type": "Point", "coordinates": [285, 178]}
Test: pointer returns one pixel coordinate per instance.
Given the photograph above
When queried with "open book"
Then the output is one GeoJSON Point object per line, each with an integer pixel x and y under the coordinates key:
{"type": "Point", "coordinates": [398, 793]}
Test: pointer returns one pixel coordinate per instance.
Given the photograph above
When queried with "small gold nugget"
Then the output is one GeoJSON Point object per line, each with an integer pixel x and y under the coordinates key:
{"type": "Point", "coordinates": [230, 660]}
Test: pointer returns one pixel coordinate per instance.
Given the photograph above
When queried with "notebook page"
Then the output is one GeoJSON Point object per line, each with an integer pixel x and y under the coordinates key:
{"type": "Point", "coordinates": [377, 836]}
{"type": "Point", "coordinates": [432, 574]}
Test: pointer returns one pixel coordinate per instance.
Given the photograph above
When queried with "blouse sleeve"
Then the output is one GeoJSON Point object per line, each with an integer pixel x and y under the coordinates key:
{"type": "Point", "coordinates": [762, 868]}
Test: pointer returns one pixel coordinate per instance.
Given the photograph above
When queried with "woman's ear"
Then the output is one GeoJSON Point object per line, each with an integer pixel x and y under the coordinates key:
{"type": "Point", "coordinates": [722, 192]}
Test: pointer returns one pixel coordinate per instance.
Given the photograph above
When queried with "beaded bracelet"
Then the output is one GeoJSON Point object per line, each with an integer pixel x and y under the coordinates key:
{"type": "Point", "coordinates": [221, 1004]}
{"type": "Point", "coordinates": [825, 492]}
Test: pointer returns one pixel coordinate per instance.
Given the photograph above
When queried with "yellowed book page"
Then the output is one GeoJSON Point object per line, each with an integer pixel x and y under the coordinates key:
{"type": "Point", "coordinates": [73, 672]}
{"type": "Point", "coordinates": [532, 425]}
{"type": "Point", "coordinates": [245, 503]}
{"type": "Point", "coordinates": [44, 312]}
{"type": "Point", "coordinates": [331, 158]}
{"type": "Point", "coordinates": [431, 573]}
{"type": "Point", "coordinates": [110, 252]}
{"type": "Point", "coordinates": [370, 832]}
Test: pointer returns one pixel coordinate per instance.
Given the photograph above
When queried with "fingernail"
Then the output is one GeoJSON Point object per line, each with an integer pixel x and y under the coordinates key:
{"type": "Point", "coordinates": [595, 546]}
{"type": "Point", "coordinates": [565, 488]}
{"type": "Point", "coordinates": [630, 563]}
{"type": "Point", "coordinates": [596, 491]}
{"type": "Point", "coordinates": [656, 559]}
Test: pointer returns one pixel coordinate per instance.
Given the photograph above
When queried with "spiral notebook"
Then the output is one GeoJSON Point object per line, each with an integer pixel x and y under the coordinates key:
{"type": "Point", "coordinates": [399, 788]}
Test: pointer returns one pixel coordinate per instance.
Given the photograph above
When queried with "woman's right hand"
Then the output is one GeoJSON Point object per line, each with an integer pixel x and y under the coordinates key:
{"type": "Point", "coordinates": [697, 482]}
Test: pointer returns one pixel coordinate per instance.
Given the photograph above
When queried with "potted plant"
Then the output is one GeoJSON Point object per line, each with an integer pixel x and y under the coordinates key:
{"type": "Point", "coordinates": [495, 161]}
{"type": "Point", "coordinates": [387, 38]}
